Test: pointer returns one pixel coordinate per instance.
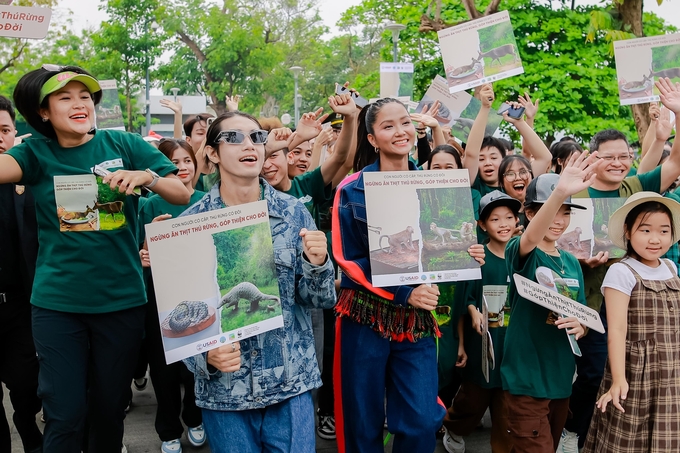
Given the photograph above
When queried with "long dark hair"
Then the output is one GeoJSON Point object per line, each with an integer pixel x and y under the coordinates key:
{"type": "Point", "coordinates": [168, 146]}
{"type": "Point", "coordinates": [561, 152]}
{"type": "Point", "coordinates": [27, 97]}
{"type": "Point", "coordinates": [644, 210]}
{"type": "Point", "coordinates": [448, 149]}
{"type": "Point", "coordinates": [366, 154]}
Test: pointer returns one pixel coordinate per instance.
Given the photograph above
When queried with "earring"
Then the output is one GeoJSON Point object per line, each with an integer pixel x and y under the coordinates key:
{"type": "Point", "coordinates": [44, 120]}
{"type": "Point", "coordinates": [377, 150]}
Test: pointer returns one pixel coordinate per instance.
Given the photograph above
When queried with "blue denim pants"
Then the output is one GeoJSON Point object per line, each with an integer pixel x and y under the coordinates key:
{"type": "Point", "coordinates": [368, 369]}
{"type": "Point", "coordinates": [287, 427]}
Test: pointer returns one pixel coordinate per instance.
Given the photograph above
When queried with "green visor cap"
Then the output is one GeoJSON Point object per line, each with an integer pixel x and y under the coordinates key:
{"type": "Point", "coordinates": [60, 80]}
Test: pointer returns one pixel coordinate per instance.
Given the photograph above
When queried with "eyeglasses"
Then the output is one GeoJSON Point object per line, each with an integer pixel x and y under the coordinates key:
{"type": "Point", "coordinates": [234, 137]}
{"type": "Point", "coordinates": [53, 67]}
{"type": "Point", "coordinates": [621, 158]}
{"type": "Point", "coordinates": [511, 175]}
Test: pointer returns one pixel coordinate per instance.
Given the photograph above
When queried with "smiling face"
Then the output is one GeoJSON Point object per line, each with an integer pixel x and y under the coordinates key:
{"type": "Point", "coordinates": [7, 131]}
{"type": "Point", "coordinates": [393, 132]}
{"type": "Point", "coordinates": [70, 111]}
{"type": "Point", "coordinates": [616, 165]}
{"type": "Point", "coordinates": [443, 161]}
{"type": "Point", "coordinates": [559, 224]}
{"type": "Point", "coordinates": [275, 170]}
{"type": "Point", "coordinates": [500, 225]}
{"type": "Point", "coordinates": [516, 179]}
{"type": "Point", "coordinates": [243, 160]}
{"type": "Point", "coordinates": [185, 164]}
{"type": "Point", "coordinates": [489, 161]}
{"type": "Point", "coordinates": [651, 237]}
{"type": "Point", "coordinates": [299, 159]}
{"type": "Point", "coordinates": [198, 134]}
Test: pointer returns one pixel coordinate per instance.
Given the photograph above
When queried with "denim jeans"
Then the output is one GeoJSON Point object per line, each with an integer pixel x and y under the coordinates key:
{"type": "Point", "coordinates": [286, 427]}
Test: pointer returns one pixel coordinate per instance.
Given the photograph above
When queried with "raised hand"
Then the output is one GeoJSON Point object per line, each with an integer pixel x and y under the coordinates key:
{"type": "Point", "coordinates": [530, 107]}
{"type": "Point", "coordinates": [342, 104]}
{"type": "Point", "coordinates": [578, 173]}
{"type": "Point", "coordinates": [506, 117]}
{"type": "Point", "coordinates": [427, 116]}
{"type": "Point", "coordinates": [278, 139]}
{"type": "Point", "coordinates": [663, 125]}
{"type": "Point", "coordinates": [325, 137]}
{"type": "Point", "coordinates": [314, 246]}
{"type": "Point", "coordinates": [232, 103]}
{"type": "Point", "coordinates": [309, 125]}
{"type": "Point", "coordinates": [175, 106]}
{"type": "Point", "coordinates": [670, 94]}
{"type": "Point", "coordinates": [486, 95]}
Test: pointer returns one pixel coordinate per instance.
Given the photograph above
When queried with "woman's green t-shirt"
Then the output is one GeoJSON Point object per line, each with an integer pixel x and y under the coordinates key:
{"type": "Point", "coordinates": [88, 260]}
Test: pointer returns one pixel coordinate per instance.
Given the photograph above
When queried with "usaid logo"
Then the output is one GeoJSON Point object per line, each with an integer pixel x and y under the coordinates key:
{"type": "Point", "coordinates": [207, 344]}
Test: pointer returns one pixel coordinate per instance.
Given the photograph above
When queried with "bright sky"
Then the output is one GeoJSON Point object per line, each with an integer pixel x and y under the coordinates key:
{"type": "Point", "coordinates": [86, 13]}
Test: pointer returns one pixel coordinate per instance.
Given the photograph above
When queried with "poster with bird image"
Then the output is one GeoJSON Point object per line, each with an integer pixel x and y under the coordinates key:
{"type": "Point", "coordinates": [420, 226]}
{"type": "Point", "coordinates": [640, 62]}
{"type": "Point", "coordinates": [480, 51]}
{"type": "Point", "coordinates": [215, 278]}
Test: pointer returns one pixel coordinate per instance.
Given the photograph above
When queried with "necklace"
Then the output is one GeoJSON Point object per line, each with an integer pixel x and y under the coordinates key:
{"type": "Point", "coordinates": [561, 265]}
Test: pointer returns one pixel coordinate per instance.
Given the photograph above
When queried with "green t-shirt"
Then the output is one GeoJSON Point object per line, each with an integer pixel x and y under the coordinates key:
{"type": "Point", "coordinates": [493, 285]}
{"type": "Point", "coordinates": [537, 358]}
{"type": "Point", "coordinates": [155, 205]}
{"type": "Point", "coordinates": [311, 190]}
{"type": "Point", "coordinates": [481, 187]}
{"type": "Point", "coordinates": [650, 181]}
{"type": "Point", "coordinates": [88, 261]}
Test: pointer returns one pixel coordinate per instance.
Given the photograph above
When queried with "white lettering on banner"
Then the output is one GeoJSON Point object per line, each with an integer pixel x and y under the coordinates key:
{"type": "Point", "coordinates": [24, 22]}
{"type": "Point", "coordinates": [558, 303]}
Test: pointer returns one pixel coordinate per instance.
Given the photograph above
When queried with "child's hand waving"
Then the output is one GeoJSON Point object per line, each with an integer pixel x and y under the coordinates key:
{"type": "Point", "coordinates": [578, 174]}
{"type": "Point", "coordinates": [617, 395]}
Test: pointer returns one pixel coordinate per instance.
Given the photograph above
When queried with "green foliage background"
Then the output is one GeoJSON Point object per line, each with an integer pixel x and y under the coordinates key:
{"type": "Point", "coordinates": [666, 57]}
{"type": "Point", "coordinates": [495, 36]}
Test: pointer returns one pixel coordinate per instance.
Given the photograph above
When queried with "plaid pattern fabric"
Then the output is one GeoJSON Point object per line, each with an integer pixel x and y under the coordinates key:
{"type": "Point", "coordinates": [651, 422]}
{"type": "Point", "coordinates": [673, 254]}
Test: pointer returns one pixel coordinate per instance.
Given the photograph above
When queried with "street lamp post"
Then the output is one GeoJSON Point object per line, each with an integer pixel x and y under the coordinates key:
{"type": "Point", "coordinates": [296, 70]}
{"type": "Point", "coordinates": [174, 92]}
{"type": "Point", "coordinates": [395, 29]}
{"type": "Point", "coordinates": [154, 27]}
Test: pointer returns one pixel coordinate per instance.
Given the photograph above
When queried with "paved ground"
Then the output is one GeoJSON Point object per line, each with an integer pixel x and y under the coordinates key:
{"type": "Point", "coordinates": [140, 436]}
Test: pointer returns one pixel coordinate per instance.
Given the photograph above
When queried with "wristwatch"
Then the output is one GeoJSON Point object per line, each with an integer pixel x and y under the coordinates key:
{"type": "Point", "coordinates": [155, 177]}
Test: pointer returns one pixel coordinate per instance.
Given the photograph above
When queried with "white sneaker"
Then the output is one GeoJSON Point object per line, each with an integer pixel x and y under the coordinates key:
{"type": "Point", "coordinates": [171, 446]}
{"type": "Point", "coordinates": [453, 443]}
{"type": "Point", "coordinates": [196, 435]}
{"type": "Point", "coordinates": [123, 449]}
{"type": "Point", "coordinates": [568, 442]}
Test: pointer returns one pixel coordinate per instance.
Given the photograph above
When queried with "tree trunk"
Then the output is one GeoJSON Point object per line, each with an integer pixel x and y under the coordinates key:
{"type": "Point", "coordinates": [631, 15]}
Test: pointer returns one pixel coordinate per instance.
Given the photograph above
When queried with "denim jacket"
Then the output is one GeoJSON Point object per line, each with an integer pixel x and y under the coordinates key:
{"type": "Point", "coordinates": [281, 363]}
{"type": "Point", "coordinates": [350, 238]}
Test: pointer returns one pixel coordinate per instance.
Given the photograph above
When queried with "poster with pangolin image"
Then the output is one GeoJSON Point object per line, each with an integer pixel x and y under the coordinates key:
{"type": "Point", "coordinates": [215, 278]}
{"type": "Point", "coordinates": [480, 51]}
{"type": "Point", "coordinates": [420, 226]}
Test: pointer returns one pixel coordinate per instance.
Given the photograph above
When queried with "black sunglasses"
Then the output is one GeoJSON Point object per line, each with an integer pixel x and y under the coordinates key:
{"type": "Point", "coordinates": [235, 137]}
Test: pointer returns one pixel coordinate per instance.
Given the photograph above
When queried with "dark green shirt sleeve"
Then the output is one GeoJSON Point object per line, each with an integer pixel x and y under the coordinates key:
{"type": "Point", "coordinates": [28, 162]}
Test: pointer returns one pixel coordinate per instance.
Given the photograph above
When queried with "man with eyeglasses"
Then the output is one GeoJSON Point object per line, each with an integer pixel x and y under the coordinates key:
{"type": "Point", "coordinates": [610, 182]}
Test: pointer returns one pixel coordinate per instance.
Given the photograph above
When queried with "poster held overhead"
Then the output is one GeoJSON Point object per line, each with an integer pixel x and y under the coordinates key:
{"type": "Point", "coordinates": [640, 62]}
{"type": "Point", "coordinates": [396, 80]}
{"type": "Point", "coordinates": [108, 113]}
{"type": "Point", "coordinates": [420, 225]}
{"type": "Point", "coordinates": [24, 22]}
{"type": "Point", "coordinates": [458, 110]}
{"type": "Point", "coordinates": [207, 304]}
{"type": "Point", "coordinates": [486, 46]}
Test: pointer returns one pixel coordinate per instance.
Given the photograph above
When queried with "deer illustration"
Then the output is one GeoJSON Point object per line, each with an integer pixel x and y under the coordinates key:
{"type": "Point", "coordinates": [465, 69]}
{"type": "Point", "coordinates": [636, 83]}
{"type": "Point", "coordinates": [500, 52]}
{"type": "Point", "coordinates": [112, 208]}
{"type": "Point", "coordinates": [671, 73]}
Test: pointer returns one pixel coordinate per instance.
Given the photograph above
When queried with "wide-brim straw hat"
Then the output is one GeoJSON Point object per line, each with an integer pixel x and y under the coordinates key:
{"type": "Point", "coordinates": [616, 221]}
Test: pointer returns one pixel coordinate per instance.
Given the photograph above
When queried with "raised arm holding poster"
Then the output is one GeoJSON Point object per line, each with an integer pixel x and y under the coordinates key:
{"type": "Point", "coordinates": [458, 110]}
{"type": "Point", "coordinates": [640, 62]}
{"type": "Point", "coordinates": [420, 225]}
{"type": "Point", "coordinates": [488, 44]}
{"type": "Point", "coordinates": [228, 292]}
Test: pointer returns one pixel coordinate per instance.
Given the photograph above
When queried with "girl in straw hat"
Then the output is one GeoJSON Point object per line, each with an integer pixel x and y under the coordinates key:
{"type": "Point", "coordinates": [642, 294]}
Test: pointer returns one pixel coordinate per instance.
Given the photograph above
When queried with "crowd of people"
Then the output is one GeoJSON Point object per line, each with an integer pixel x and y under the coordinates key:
{"type": "Point", "coordinates": [81, 322]}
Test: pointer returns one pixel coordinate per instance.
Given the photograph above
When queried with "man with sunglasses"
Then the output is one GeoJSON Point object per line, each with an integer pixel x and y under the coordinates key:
{"type": "Point", "coordinates": [611, 181]}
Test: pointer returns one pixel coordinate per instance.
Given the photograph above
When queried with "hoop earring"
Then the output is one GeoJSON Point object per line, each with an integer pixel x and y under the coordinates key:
{"type": "Point", "coordinates": [377, 150]}
{"type": "Point", "coordinates": [44, 120]}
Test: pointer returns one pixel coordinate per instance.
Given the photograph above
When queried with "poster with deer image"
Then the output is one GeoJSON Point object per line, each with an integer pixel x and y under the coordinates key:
{"type": "Point", "coordinates": [588, 231]}
{"type": "Point", "coordinates": [108, 112]}
{"type": "Point", "coordinates": [396, 80]}
{"type": "Point", "coordinates": [420, 225]}
{"type": "Point", "coordinates": [229, 292]}
{"type": "Point", "coordinates": [479, 51]}
{"type": "Point", "coordinates": [458, 110]}
{"type": "Point", "coordinates": [640, 62]}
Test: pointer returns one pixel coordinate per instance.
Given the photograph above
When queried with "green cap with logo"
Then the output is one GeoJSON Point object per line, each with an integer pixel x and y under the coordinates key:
{"type": "Point", "coordinates": [59, 81]}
